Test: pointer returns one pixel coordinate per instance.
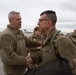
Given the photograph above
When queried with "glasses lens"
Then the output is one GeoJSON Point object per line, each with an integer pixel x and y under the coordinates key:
{"type": "Point", "coordinates": [40, 20]}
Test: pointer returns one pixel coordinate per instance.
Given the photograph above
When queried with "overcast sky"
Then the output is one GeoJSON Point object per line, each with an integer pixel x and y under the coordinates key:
{"type": "Point", "coordinates": [30, 12]}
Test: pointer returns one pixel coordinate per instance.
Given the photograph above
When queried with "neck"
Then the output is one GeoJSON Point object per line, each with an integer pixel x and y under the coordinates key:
{"type": "Point", "coordinates": [49, 30]}
{"type": "Point", "coordinates": [14, 28]}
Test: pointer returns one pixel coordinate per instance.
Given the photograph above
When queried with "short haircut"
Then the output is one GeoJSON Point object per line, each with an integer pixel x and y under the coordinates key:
{"type": "Point", "coordinates": [11, 14]}
{"type": "Point", "coordinates": [36, 28]}
{"type": "Point", "coordinates": [51, 15]}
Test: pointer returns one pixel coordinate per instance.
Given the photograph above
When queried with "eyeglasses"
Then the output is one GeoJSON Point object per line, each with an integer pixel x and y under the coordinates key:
{"type": "Point", "coordinates": [40, 20]}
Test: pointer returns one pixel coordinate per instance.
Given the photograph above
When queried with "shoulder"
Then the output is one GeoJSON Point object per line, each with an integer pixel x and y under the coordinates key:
{"type": "Point", "coordinates": [63, 39]}
{"type": "Point", "coordinates": [7, 34]}
{"type": "Point", "coordinates": [71, 34]}
{"type": "Point", "coordinates": [6, 31]}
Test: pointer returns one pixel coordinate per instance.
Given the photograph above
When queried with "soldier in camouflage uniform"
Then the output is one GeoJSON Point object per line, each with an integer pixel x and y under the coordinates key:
{"type": "Point", "coordinates": [64, 46]}
{"type": "Point", "coordinates": [13, 44]}
{"type": "Point", "coordinates": [72, 36]}
{"type": "Point", "coordinates": [36, 53]}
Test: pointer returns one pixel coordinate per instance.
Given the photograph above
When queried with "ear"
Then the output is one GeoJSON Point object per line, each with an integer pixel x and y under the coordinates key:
{"type": "Point", "coordinates": [49, 23]}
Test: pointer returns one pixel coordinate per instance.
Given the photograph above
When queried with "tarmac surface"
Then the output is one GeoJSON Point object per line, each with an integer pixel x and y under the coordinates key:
{"type": "Point", "coordinates": [1, 68]}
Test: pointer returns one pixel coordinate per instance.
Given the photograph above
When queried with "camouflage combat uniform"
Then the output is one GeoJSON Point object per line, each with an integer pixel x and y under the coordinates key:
{"type": "Point", "coordinates": [13, 51]}
{"type": "Point", "coordinates": [35, 53]}
{"type": "Point", "coordinates": [64, 47]}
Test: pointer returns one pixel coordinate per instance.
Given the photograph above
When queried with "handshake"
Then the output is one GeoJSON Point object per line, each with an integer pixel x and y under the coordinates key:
{"type": "Point", "coordinates": [28, 60]}
{"type": "Point", "coordinates": [34, 60]}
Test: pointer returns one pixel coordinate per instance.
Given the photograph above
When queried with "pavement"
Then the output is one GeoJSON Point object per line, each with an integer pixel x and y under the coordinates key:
{"type": "Point", "coordinates": [1, 68]}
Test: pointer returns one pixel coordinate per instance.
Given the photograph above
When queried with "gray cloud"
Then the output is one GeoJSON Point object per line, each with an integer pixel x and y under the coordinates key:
{"type": "Point", "coordinates": [30, 11]}
{"type": "Point", "coordinates": [68, 5]}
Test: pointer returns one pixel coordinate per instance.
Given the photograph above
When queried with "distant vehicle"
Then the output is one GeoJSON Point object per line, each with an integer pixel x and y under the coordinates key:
{"type": "Point", "coordinates": [27, 30]}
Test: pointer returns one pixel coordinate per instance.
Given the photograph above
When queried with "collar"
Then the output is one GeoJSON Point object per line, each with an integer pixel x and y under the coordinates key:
{"type": "Point", "coordinates": [13, 30]}
{"type": "Point", "coordinates": [51, 36]}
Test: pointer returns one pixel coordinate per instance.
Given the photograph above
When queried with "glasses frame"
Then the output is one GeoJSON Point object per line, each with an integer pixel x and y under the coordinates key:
{"type": "Point", "coordinates": [40, 20]}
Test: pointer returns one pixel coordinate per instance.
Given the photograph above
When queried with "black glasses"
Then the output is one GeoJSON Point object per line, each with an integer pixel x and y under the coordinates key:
{"type": "Point", "coordinates": [40, 20]}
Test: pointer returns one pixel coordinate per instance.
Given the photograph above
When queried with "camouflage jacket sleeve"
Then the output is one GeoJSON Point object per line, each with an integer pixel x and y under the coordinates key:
{"type": "Point", "coordinates": [30, 43]}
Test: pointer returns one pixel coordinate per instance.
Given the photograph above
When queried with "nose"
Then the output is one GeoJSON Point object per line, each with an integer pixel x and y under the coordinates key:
{"type": "Point", "coordinates": [20, 21]}
{"type": "Point", "coordinates": [38, 23]}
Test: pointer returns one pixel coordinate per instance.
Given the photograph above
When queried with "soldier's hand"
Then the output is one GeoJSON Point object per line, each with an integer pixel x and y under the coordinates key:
{"type": "Point", "coordinates": [28, 60]}
{"type": "Point", "coordinates": [40, 42]}
{"type": "Point", "coordinates": [39, 48]}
